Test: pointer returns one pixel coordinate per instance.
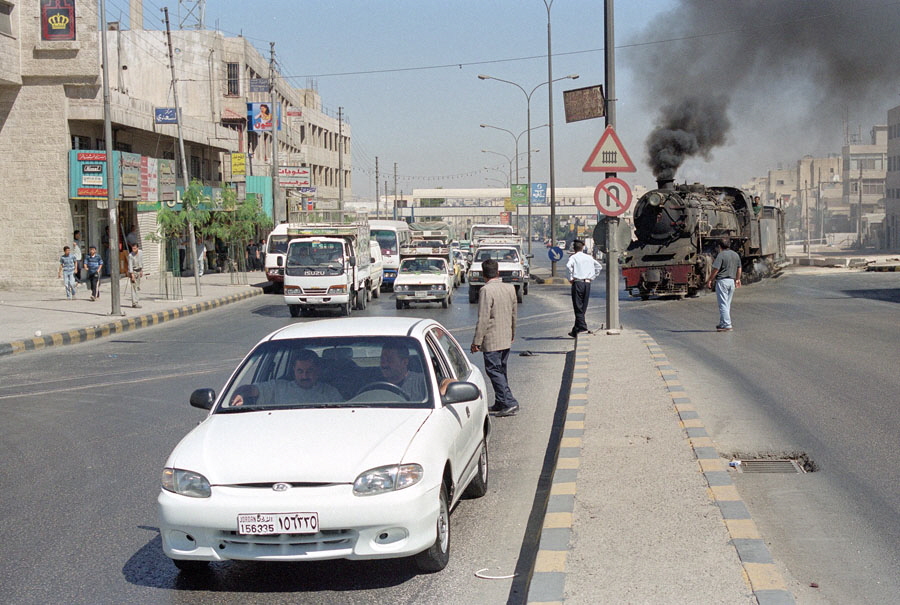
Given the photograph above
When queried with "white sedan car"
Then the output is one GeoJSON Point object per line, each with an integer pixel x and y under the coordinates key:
{"type": "Point", "coordinates": [334, 439]}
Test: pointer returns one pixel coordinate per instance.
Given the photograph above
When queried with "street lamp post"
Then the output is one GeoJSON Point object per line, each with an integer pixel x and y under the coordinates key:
{"type": "Point", "coordinates": [528, 130]}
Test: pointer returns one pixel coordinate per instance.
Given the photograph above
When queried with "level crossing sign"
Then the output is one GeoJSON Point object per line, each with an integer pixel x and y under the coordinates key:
{"type": "Point", "coordinates": [609, 155]}
{"type": "Point", "coordinates": [612, 196]}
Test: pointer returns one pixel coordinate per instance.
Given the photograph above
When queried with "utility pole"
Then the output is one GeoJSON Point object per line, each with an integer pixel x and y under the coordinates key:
{"type": "Point", "coordinates": [859, 213]}
{"type": "Point", "coordinates": [340, 158]}
{"type": "Point", "coordinates": [276, 186]}
{"type": "Point", "coordinates": [111, 203]}
{"type": "Point", "coordinates": [549, 4]}
{"type": "Point", "coordinates": [612, 223]}
{"type": "Point", "coordinates": [806, 196]}
{"type": "Point", "coordinates": [192, 245]}
{"type": "Point", "coordinates": [395, 191]}
{"type": "Point", "coordinates": [385, 198]}
{"type": "Point", "coordinates": [377, 199]}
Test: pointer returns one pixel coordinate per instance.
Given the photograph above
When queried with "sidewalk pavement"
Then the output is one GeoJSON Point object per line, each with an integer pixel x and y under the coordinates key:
{"type": "Point", "coordinates": [34, 319]}
{"type": "Point", "coordinates": [642, 508]}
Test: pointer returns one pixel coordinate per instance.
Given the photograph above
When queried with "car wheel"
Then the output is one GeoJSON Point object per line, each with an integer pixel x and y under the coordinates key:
{"type": "Point", "coordinates": [346, 308]}
{"type": "Point", "coordinates": [473, 295]}
{"type": "Point", "coordinates": [525, 288]}
{"type": "Point", "coordinates": [295, 310]}
{"type": "Point", "coordinates": [438, 555]}
{"type": "Point", "coordinates": [462, 278]}
{"type": "Point", "coordinates": [399, 304]}
{"type": "Point", "coordinates": [191, 567]}
{"type": "Point", "coordinates": [519, 296]}
{"type": "Point", "coordinates": [450, 298]}
{"type": "Point", "coordinates": [444, 303]}
{"type": "Point", "coordinates": [376, 293]}
{"type": "Point", "coordinates": [479, 485]}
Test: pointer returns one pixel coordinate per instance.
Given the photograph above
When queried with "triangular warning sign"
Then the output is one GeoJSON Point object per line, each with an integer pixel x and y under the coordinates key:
{"type": "Point", "coordinates": [609, 155]}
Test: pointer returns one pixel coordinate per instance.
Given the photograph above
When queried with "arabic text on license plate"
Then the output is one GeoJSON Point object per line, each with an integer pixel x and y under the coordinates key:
{"type": "Point", "coordinates": [421, 294]}
{"type": "Point", "coordinates": [292, 291]}
{"type": "Point", "coordinates": [262, 524]}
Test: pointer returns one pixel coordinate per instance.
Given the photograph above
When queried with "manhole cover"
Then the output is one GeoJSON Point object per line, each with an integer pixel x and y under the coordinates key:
{"type": "Point", "coordinates": [770, 466]}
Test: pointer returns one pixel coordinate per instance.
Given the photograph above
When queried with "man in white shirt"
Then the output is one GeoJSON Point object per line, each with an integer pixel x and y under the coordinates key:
{"type": "Point", "coordinates": [581, 269]}
{"type": "Point", "coordinates": [305, 388]}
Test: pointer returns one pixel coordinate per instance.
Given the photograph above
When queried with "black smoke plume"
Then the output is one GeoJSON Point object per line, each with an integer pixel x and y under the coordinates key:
{"type": "Point", "coordinates": [689, 127]}
{"type": "Point", "coordinates": [789, 73]}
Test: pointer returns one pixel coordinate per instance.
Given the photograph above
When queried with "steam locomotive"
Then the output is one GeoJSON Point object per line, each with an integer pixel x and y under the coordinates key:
{"type": "Point", "coordinates": [677, 227]}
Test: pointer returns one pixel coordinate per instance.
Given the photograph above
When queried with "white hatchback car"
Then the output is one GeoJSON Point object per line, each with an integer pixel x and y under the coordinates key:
{"type": "Point", "coordinates": [334, 439]}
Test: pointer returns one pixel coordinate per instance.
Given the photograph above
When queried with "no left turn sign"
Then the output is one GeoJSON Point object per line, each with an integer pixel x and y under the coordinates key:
{"type": "Point", "coordinates": [612, 196]}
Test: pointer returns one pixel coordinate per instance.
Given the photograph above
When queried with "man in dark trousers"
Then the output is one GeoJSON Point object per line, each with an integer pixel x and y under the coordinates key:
{"type": "Point", "coordinates": [582, 269]}
{"type": "Point", "coordinates": [494, 335]}
{"type": "Point", "coordinates": [726, 272]}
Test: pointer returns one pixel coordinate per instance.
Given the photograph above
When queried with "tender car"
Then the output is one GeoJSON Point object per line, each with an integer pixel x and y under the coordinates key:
{"type": "Point", "coordinates": [334, 439]}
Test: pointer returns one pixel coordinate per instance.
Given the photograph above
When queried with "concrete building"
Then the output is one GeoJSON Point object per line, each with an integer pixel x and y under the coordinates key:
{"type": "Point", "coordinates": [864, 172]}
{"type": "Point", "coordinates": [892, 182]}
{"type": "Point", "coordinates": [51, 102]}
{"type": "Point", "coordinates": [818, 193]}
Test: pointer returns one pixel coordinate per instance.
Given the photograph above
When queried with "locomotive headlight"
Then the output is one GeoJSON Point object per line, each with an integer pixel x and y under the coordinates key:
{"type": "Point", "coordinates": [655, 199]}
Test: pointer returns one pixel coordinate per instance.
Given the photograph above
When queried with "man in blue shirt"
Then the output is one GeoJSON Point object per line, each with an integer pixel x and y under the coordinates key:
{"type": "Point", "coordinates": [726, 272]}
{"type": "Point", "coordinates": [93, 262]}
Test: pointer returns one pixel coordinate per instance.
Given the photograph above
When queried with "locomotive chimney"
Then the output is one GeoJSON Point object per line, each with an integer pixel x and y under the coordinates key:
{"type": "Point", "coordinates": [665, 183]}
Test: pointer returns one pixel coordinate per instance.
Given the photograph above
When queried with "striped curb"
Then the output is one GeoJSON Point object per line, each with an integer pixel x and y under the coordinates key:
{"type": "Point", "coordinates": [548, 577]}
{"type": "Point", "coordinates": [759, 568]}
{"type": "Point", "coordinates": [126, 324]}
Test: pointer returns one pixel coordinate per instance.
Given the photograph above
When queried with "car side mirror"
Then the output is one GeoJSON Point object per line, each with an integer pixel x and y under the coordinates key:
{"type": "Point", "coordinates": [352, 261]}
{"type": "Point", "coordinates": [279, 261]}
{"type": "Point", "coordinates": [203, 399]}
{"type": "Point", "coordinates": [371, 259]}
{"type": "Point", "coordinates": [460, 392]}
{"type": "Point", "coordinates": [529, 256]}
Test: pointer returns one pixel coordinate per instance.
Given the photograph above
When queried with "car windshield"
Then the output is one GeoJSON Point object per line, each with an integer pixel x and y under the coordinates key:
{"type": "Point", "coordinates": [372, 371]}
{"type": "Point", "coordinates": [387, 239]}
{"type": "Point", "coordinates": [314, 258]}
{"type": "Point", "coordinates": [278, 244]}
{"type": "Point", "coordinates": [501, 255]}
{"type": "Point", "coordinates": [423, 265]}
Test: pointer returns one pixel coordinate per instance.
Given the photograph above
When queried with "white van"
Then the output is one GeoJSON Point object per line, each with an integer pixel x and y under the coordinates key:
{"type": "Point", "coordinates": [390, 235]}
{"type": "Point", "coordinates": [376, 269]}
{"type": "Point", "coordinates": [276, 249]}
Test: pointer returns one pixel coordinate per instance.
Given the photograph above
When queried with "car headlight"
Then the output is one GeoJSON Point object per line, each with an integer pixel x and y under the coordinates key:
{"type": "Point", "coordinates": [387, 479]}
{"type": "Point", "coordinates": [517, 274]}
{"type": "Point", "coordinates": [338, 289]}
{"type": "Point", "coordinates": [440, 287]}
{"type": "Point", "coordinates": [186, 483]}
{"type": "Point", "coordinates": [400, 288]}
{"type": "Point", "coordinates": [475, 274]}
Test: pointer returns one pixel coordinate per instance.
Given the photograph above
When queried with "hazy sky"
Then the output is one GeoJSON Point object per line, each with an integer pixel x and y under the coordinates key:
{"type": "Point", "coordinates": [405, 73]}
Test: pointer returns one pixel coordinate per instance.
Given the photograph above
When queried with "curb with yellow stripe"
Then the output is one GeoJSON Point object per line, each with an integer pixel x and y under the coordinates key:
{"type": "Point", "coordinates": [548, 578]}
{"type": "Point", "coordinates": [759, 568]}
{"type": "Point", "coordinates": [547, 586]}
{"type": "Point", "coordinates": [125, 324]}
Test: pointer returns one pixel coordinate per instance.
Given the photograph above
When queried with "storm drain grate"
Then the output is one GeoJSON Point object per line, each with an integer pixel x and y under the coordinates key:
{"type": "Point", "coordinates": [771, 466]}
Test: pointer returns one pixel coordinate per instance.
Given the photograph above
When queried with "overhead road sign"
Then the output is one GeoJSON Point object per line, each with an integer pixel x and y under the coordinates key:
{"type": "Point", "coordinates": [609, 155]}
{"type": "Point", "coordinates": [612, 196]}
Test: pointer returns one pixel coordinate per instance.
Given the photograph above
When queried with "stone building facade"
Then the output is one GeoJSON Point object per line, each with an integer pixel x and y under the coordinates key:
{"type": "Point", "coordinates": [51, 101]}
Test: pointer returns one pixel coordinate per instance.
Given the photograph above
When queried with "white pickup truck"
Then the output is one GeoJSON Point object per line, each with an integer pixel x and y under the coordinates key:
{"type": "Point", "coordinates": [426, 274]}
{"type": "Point", "coordinates": [511, 262]}
{"type": "Point", "coordinates": [327, 263]}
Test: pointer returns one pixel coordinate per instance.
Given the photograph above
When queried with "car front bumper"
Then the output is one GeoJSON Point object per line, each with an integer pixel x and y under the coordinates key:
{"type": "Point", "coordinates": [396, 524]}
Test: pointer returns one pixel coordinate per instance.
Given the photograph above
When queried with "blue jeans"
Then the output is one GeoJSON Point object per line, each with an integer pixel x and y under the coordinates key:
{"type": "Point", "coordinates": [495, 367]}
{"type": "Point", "coordinates": [69, 283]}
{"type": "Point", "coordinates": [724, 294]}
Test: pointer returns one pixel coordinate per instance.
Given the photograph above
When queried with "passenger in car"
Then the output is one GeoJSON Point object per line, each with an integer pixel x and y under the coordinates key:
{"type": "Point", "coordinates": [304, 388]}
{"type": "Point", "coordinates": [395, 369]}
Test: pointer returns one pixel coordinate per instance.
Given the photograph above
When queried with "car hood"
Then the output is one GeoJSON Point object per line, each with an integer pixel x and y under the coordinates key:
{"type": "Point", "coordinates": [421, 278]}
{"type": "Point", "coordinates": [312, 445]}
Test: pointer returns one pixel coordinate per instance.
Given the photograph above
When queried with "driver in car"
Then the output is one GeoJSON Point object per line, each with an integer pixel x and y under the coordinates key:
{"type": "Point", "coordinates": [395, 370]}
{"type": "Point", "coordinates": [304, 388]}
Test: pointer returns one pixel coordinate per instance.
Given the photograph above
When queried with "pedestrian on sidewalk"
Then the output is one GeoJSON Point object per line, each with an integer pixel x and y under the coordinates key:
{"type": "Point", "coordinates": [726, 272]}
{"type": "Point", "coordinates": [93, 262]}
{"type": "Point", "coordinates": [67, 272]}
{"type": "Point", "coordinates": [582, 269]}
{"type": "Point", "coordinates": [78, 254]}
{"type": "Point", "coordinates": [135, 273]}
{"type": "Point", "coordinates": [201, 256]}
{"type": "Point", "coordinates": [104, 250]}
{"type": "Point", "coordinates": [495, 332]}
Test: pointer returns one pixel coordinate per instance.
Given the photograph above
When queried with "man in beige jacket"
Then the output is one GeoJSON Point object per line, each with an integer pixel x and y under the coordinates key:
{"type": "Point", "coordinates": [494, 335]}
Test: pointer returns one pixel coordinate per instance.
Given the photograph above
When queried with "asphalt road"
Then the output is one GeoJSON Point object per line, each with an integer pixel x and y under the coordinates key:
{"type": "Point", "coordinates": [810, 371]}
{"type": "Point", "coordinates": [88, 427]}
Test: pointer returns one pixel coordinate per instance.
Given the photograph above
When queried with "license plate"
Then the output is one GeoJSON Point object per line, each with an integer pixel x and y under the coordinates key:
{"type": "Point", "coordinates": [421, 294]}
{"type": "Point", "coordinates": [292, 291]}
{"type": "Point", "coordinates": [264, 524]}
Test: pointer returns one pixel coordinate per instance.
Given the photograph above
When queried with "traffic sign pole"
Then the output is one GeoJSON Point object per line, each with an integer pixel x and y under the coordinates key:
{"type": "Point", "coordinates": [612, 251]}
